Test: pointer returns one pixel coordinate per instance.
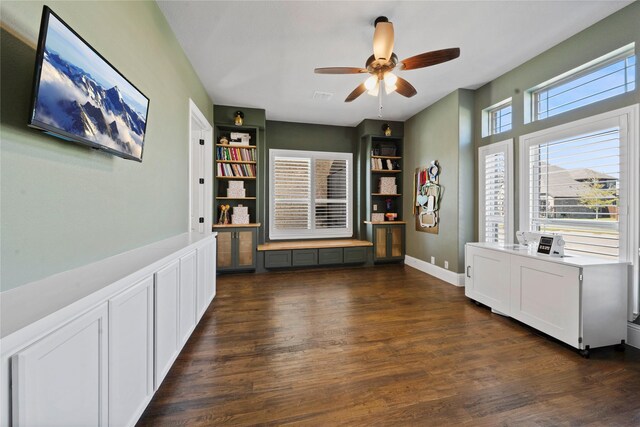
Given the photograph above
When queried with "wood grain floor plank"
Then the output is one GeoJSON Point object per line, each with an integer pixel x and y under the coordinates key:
{"type": "Point", "coordinates": [381, 346]}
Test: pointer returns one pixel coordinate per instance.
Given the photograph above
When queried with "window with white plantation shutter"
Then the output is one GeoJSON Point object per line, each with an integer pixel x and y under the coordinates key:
{"type": "Point", "coordinates": [311, 194]}
{"type": "Point", "coordinates": [291, 197]}
{"type": "Point", "coordinates": [495, 192]}
{"type": "Point", "coordinates": [575, 182]}
{"type": "Point", "coordinates": [331, 195]}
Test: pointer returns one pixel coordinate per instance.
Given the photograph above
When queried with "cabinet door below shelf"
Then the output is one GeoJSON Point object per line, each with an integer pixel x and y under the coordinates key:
{"type": "Point", "coordinates": [62, 379]}
{"type": "Point", "coordinates": [224, 251]}
{"type": "Point", "coordinates": [546, 295]}
{"type": "Point", "coordinates": [487, 278]}
{"type": "Point", "coordinates": [130, 353]}
{"type": "Point", "coordinates": [246, 251]}
{"type": "Point", "coordinates": [380, 242]}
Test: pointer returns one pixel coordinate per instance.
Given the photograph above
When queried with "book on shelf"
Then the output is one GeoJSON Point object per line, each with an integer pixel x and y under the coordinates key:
{"type": "Point", "coordinates": [236, 169]}
{"type": "Point", "coordinates": [236, 154]}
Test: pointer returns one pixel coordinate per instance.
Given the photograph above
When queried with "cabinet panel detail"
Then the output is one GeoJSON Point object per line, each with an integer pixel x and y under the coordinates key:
{"type": "Point", "coordinates": [62, 379]}
{"type": "Point", "coordinates": [166, 319]}
{"type": "Point", "coordinates": [130, 353]}
{"type": "Point", "coordinates": [188, 276]}
{"type": "Point", "coordinates": [330, 256]}
{"type": "Point", "coordinates": [396, 242]}
{"type": "Point", "coordinates": [225, 259]}
{"type": "Point", "coordinates": [246, 248]}
{"type": "Point", "coordinates": [355, 255]}
{"type": "Point", "coordinates": [380, 242]}
{"type": "Point", "coordinates": [304, 257]}
{"type": "Point", "coordinates": [277, 259]}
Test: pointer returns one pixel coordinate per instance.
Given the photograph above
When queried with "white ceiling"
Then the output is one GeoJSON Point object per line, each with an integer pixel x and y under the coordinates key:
{"type": "Point", "coordinates": [262, 53]}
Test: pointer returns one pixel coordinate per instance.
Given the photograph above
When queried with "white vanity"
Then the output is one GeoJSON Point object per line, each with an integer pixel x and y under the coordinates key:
{"type": "Point", "coordinates": [579, 300]}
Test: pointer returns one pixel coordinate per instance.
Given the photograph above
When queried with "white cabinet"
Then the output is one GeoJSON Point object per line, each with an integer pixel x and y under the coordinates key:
{"type": "Point", "coordinates": [130, 353]}
{"type": "Point", "coordinates": [578, 300]}
{"type": "Point", "coordinates": [175, 311]}
{"type": "Point", "coordinates": [90, 346]}
{"type": "Point", "coordinates": [61, 380]}
{"type": "Point", "coordinates": [546, 296]}
{"type": "Point", "coordinates": [206, 277]}
{"type": "Point", "coordinates": [484, 280]}
{"type": "Point", "coordinates": [188, 277]}
{"type": "Point", "coordinates": [167, 297]}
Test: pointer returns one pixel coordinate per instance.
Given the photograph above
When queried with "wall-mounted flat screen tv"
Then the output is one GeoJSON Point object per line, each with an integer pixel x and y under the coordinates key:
{"type": "Point", "coordinates": [78, 96]}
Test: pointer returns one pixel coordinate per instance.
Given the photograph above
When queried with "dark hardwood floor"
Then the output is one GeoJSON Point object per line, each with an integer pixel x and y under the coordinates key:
{"type": "Point", "coordinates": [382, 346]}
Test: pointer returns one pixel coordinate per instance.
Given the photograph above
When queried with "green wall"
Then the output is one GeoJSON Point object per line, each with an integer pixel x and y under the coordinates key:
{"type": "Point", "coordinates": [613, 32]}
{"type": "Point", "coordinates": [442, 132]}
{"type": "Point", "coordinates": [64, 205]}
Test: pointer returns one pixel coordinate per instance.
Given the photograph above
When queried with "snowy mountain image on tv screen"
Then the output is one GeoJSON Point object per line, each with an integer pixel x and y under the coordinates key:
{"type": "Point", "coordinates": [83, 95]}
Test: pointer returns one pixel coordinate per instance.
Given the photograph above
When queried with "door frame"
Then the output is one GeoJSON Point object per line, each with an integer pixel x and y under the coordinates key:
{"type": "Point", "coordinates": [200, 128]}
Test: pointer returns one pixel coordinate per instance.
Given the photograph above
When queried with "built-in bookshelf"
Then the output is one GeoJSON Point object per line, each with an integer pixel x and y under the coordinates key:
{"type": "Point", "coordinates": [385, 165]}
{"type": "Point", "coordinates": [236, 162]}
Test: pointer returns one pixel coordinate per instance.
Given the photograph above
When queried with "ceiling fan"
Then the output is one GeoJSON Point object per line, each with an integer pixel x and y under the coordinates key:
{"type": "Point", "coordinates": [383, 61]}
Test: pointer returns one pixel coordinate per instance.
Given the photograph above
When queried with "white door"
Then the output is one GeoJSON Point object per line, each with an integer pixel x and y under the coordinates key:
{"type": "Point", "coordinates": [61, 380]}
{"type": "Point", "coordinates": [200, 171]}
{"type": "Point", "coordinates": [198, 180]}
{"type": "Point", "coordinates": [166, 292]}
{"type": "Point", "coordinates": [130, 353]}
{"type": "Point", "coordinates": [487, 277]}
{"type": "Point", "coordinates": [188, 277]}
{"type": "Point", "coordinates": [546, 295]}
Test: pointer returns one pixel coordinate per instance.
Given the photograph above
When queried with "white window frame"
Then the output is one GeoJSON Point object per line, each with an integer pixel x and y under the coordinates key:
{"type": "Point", "coordinates": [487, 116]}
{"type": "Point", "coordinates": [531, 110]}
{"type": "Point", "coordinates": [312, 232]}
{"type": "Point", "coordinates": [506, 147]}
{"type": "Point", "coordinates": [627, 119]}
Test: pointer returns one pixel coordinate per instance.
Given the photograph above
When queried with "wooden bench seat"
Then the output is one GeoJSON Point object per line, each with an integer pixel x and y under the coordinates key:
{"type": "Point", "coordinates": [313, 244]}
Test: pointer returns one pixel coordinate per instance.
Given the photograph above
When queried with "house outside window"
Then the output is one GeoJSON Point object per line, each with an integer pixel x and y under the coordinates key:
{"type": "Point", "coordinates": [575, 180]}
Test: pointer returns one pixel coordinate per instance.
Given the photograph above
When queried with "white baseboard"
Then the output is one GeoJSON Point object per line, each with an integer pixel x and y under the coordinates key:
{"type": "Point", "coordinates": [456, 279]}
{"type": "Point", "coordinates": [633, 335]}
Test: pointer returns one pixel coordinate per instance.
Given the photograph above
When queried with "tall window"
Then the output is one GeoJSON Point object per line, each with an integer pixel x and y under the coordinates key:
{"type": "Point", "coordinates": [497, 118]}
{"type": "Point", "coordinates": [575, 180]}
{"type": "Point", "coordinates": [310, 194]}
{"type": "Point", "coordinates": [610, 75]}
{"type": "Point", "coordinates": [495, 191]}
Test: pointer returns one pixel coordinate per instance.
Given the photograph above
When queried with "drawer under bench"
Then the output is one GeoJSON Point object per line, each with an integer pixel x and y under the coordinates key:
{"type": "Point", "coordinates": [309, 253]}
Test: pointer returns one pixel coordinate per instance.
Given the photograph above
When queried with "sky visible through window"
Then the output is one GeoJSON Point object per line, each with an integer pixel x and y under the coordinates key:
{"type": "Point", "coordinates": [612, 79]}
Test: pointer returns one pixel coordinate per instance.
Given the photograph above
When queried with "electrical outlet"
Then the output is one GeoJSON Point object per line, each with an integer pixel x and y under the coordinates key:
{"type": "Point", "coordinates": [433, 260]}
{"type": "Point", "coordinates": [446, 265]}
{"type": "Point", "coordinates": [375, 208]}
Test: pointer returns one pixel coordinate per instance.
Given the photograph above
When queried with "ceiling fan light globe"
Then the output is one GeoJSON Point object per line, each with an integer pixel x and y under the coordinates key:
{"type": "Point", "coordinates": [389, 88]}
{"type": "Point", "coordinates": [375, 90]}
{"type": "Point", "coordinates": [371, 82]}
{"type": "Point", "coordinates": [390, 79]}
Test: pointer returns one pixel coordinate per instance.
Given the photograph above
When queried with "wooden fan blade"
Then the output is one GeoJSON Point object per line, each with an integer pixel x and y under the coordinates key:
{"type": "Point", "coordinates": [340, 70]}
{"type": "Point", "coordinates": [356, 93]}
{"type": "Point", "coordinates": [405, 88]}
{"type": "Point", "coordinates": [430, 58]}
